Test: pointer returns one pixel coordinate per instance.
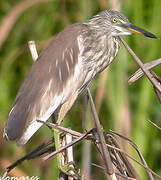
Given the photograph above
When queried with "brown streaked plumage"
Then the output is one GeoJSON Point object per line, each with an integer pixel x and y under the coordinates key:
{"type": "Point", "coordinates": [64, 69]}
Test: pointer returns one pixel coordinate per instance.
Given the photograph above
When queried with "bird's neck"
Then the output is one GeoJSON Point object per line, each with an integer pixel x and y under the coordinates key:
{"type": "Point", "coordinates": [100, 49]}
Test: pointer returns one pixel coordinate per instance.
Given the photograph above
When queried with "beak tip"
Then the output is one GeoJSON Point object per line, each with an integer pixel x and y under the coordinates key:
{"type": "Point", "coordinates": [137, 30]}
{"type": "Point", "coordinates": [152, 36]}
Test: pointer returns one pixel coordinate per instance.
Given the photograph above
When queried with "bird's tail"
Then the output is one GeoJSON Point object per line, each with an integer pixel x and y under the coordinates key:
{"type": "Point", "coordinates": [17, 127]}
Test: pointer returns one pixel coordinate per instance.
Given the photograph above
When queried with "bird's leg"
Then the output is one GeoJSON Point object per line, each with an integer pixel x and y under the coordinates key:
{"type": "Point", "coordinates": [60, 140]}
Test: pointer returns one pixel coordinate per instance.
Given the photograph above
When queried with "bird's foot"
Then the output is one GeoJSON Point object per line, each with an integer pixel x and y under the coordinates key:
{"type": "Point", "coordinates": [70, 170]}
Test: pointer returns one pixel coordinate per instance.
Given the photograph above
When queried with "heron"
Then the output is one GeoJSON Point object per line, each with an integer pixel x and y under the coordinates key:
{"type": "Point", "coordinates": [64, 70]}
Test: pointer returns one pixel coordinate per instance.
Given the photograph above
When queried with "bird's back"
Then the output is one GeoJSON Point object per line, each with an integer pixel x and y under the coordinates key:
{"type": "Point", "coordinates": [42, 90]}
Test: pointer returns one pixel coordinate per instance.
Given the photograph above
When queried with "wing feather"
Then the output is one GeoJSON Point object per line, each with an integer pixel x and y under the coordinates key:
{"type": "Point", "coordinates": [52, 79]}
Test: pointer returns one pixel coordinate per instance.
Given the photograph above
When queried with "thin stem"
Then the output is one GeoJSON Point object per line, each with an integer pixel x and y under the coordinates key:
{"type": "Point", "coordinates": [105, 153]}
{"type": "Point", "coordinates": [138, 61]}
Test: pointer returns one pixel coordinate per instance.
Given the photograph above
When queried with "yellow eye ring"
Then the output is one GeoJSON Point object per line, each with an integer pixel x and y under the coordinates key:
{"type": "Point", "coordinates": [114, 20]}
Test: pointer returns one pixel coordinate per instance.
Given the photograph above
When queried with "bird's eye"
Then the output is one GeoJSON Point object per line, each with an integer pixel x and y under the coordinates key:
{"type": "Point", "coordinates": [114, 20]}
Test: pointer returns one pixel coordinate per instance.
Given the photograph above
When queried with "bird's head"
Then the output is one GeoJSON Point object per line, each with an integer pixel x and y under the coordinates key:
{"type": "Point", "coordinates": [116, 24]}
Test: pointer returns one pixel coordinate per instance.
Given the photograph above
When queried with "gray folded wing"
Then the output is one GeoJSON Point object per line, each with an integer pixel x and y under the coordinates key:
{"type": "Point", "coordinates": [55, 76]}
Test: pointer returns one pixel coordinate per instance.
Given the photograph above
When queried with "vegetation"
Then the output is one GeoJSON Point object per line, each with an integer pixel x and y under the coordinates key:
{"type": "Point", "coordinates": [124, 108]}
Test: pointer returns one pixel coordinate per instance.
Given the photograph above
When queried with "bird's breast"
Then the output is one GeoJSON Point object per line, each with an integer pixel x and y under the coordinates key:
{"type": "Point", "coordinates": [97, 54]}
{"type": "Point", "coordinates": [104, 52]}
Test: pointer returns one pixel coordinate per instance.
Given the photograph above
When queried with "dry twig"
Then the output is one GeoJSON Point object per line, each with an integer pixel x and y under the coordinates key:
{"type": "Point", "coordinates": [139, 73]}
{"type": "Point", "coordinates": [149, 75]}
{"type": "Point", "coordinates": [105, 153]}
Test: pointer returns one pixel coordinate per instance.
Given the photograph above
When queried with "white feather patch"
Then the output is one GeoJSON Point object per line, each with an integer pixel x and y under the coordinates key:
{"type": "Point", "coordinates": [12, 110]}
{"type": "Point", "coordinates": [122, 32]}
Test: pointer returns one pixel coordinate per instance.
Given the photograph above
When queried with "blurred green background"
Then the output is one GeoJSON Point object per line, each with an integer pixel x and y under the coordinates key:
{"type": "Point", "coordinates": [122, 107]}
